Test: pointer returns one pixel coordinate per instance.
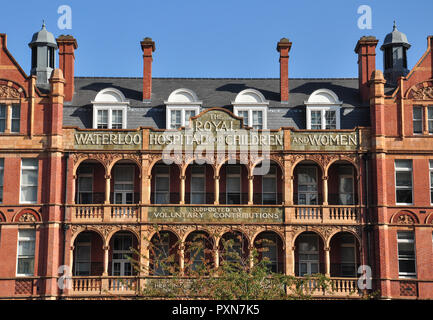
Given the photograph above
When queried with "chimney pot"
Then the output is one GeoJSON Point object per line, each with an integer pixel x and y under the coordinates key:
{"type": "Point", "coordinates": [148, 46]}
{"type": "Point", "coordinates": [67, 46]}
{"type": "Point", "coordinates": [366, 50]}
{"type": "Point", "coordinates": [283, 47]}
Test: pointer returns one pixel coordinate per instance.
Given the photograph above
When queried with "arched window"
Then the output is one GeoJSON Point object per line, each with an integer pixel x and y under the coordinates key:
{"type": "Point", "coordinates": [323, 110]}
{"type": "Point", "coordinates": [109, 109]}
{"type": "Point", "coordinates": [182, 104]}
{"type": "Point", "coordinates": [252, 106]}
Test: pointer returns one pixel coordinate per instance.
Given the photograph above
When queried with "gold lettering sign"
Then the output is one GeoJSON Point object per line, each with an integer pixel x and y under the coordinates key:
{"type": "Point", "coordinates": [324, 140]}
{"type": "Point", "coordinates": [215, 214]}
{"type": "Point", "coordinates": [217, 129]}
{"type": "Point", "coordinates": [108, 140]}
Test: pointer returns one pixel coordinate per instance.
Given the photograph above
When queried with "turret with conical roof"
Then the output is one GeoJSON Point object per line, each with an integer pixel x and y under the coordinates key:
{"type": "Point", "coordinates": [394, 55]}
{"type": "Point", "coordinates": [43, 47]}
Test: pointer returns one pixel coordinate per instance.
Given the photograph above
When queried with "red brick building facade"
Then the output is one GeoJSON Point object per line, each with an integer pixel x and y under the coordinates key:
{"type": "Point", "coordinates": [84, 172]}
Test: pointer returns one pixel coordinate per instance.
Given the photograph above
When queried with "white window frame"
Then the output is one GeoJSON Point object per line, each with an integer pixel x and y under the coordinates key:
{"type": "Point", "coordinates": [323, 110]}
{"type": "Point", "coordinates": [250, 110]}
{"type": "Point", "coordinates": [182, 110]}
{"type": "Point", "coordinates": [419, 107]}
{"type": "Point", "coordinates": [103, 101]}
{"type": "Point", "coordinates": [431, 180]}
{"type": "Point", "coordinates": [407, 274]}
{"type": "Point", "coordinates": [395, 180]}
{"type": "Point", "coordinates": [18, 255]}
{"type": "Point", "coordinates": [110, 109]}
{"type": "Point", "coordinates": [21, 179]}
{"type": "Point", "coordinates": [118, 182]}
{"type": "Point", "coordinates": [2, 170]}
{"type": "Point", "coordinates": [234, 175]}
{"type": "Point", "coordinates": [429, 119]}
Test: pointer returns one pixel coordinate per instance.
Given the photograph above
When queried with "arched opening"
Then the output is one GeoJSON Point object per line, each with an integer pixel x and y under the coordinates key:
{"type": "Point", "coordinates": [199, 184]}
{"type": "Point", "coordinates": [125, 183]}
{"type": "Point", "coordinates": [309, 254]}
{"type": "Point", "coordinates": [163, 254]}
{"type": "Point", "coordinates": [342, 184]}
{"type": "Point", "coordinates": [233, 248]}
{"type": "Point", "coordinates": [198, 252]}
{"type": "Point", "coordinates": [269, 246]}
{"type": "Point", "coordinates": [233, 184]}
{"type": "Point", "coordinates": [267, 183]}
{"type": "Point", "coordinates": [307, 183]}
{"type": "Point", "coordinates": [123, 251]}
{"type": "Point", "coordinates": [344, 255]}
{"type": "Point", "coordinates": [165, 183]}
{"type": "Point", "coordinates": [90, 183]}
{"type": "Point", "coordinates": [88, 254]}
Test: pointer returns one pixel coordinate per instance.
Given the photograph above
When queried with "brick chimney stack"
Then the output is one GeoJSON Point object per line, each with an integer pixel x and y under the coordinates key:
{"type": "Point", "coordinates": [148, 46]}
{"type": "Point", "coordinates": [67, 46]}
{"type": "Point", "coordinates": [366, 50]}
{"type": "Point", "coordinates": [283, 47]}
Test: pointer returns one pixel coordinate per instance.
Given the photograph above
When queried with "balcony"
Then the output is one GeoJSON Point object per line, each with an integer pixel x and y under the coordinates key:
{"type": "Point", "coordinates": [104, 213]}
{"type": "Point", "coordinates": [341, 214]}
{"type": "Point", "coordinates": [129, 286]}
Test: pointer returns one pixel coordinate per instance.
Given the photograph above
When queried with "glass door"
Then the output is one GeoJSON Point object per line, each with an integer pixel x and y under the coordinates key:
{"type": "Point", "coordinates": [233, 184]}
{"type": "Point", "coordinates": [124, 185]}
{"type": "Point", "coordinates": [345, 185]}
{"type": "Point", "coordinates": [198, 185]}
{"type": "Point", "coordinates": [162, 184]}
{"type": "Point", "coordinates": [85, 185]}
{"type": "Point", "coordinates": [269, 186]}
{"type": "Point", "coordinates": [308, 254]}
{"type": "Point", "coordinates": [121, 250]}
{"type": "Point", "coordinates": [307, 185]}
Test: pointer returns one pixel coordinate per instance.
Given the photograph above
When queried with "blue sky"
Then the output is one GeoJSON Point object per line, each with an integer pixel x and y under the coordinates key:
{"type": "Point", "coordinates": [221, 38]}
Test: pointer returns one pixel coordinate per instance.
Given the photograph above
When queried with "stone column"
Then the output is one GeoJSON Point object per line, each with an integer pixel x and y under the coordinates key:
{"type": "Point", "coordinates": [182, 189]}
{"type": "Point", "coordinates": [107, 189]}
{"type": "Point", "coordinates": [325, 190]}
{"type": "Point", "coordinates": [327, 262]}
{"type": "Point", "coordinates": [216, 257]}
{"type": "Point", "coordinates": [106, 251]}
{"type": "Point", "coordinates": [250, 190]}
{"type": "Point", "coordinates": [217, 189]}
{"type": "Point", "coordinates": [182, 258]}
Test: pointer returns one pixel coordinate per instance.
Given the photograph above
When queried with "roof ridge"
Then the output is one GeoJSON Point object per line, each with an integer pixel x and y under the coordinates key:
{"type": "Point", "coordinates": [210, 78]}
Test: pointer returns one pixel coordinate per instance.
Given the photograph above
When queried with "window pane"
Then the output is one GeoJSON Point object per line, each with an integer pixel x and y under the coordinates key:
{"type": "Point", "coordinates": [117, 119]}
{"type": "Point", "coordinates": [403, 164]}
{"type": "Point", "coordinates": [269, 184]}
{"type": "Point", "coordinates": [102, 121]}
{"type": "Point", "coordinates": [188, 115]}
{"type": "Point", "coordinates": [257, 119]}
{"type": "Point", "coordinates": [417, 119]}
{"type": "Point", "coordinates": [404, 179]}
{"type": "Point", "coordinates": [430, 118]}
{"type": "Point", "coordinates": [330, 120]}
{"type": "Point", "coordinates": [316, 120]}
{"type": "Point", "coordinates": [2, 117]}
{"type": "Point", "coordinates": [175, 119]}
{"type": "Point", "coordinates": [244, 114]}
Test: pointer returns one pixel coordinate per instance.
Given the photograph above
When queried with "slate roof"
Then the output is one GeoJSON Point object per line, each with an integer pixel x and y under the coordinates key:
{"type": "Point", "coordinates": [215, 93]}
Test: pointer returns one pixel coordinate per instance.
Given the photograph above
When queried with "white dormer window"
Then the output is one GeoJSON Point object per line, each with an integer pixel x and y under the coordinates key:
{"type": "Point", "coordinates": [109, 109]}
{"type": "Point", "coordinates": [181, 106]}
{"type": "Point", "coordinates": [323, 110]}
{"type": "Point", "coordinates": [252, 106]}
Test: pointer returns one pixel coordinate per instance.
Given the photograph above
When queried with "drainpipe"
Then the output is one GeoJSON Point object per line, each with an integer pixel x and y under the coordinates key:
{"type": "Point", "coordinates": [64, 225]}
{"type": "Point", "coordinates": [367, 205]}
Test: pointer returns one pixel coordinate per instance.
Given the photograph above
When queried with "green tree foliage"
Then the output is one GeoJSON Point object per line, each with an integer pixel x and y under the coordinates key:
{"type": "Point", "coordinates": [240, 274]}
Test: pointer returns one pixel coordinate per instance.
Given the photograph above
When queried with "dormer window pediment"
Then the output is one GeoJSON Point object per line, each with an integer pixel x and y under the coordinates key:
{"type": "Point", "coordinates": [252, 106]}
{"type": "Point", "coordinates": [182, 104]}
{"type": "Point", "coordinates": [323, 110]}
{"type": "Point", "coordinates": [110, 109]}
